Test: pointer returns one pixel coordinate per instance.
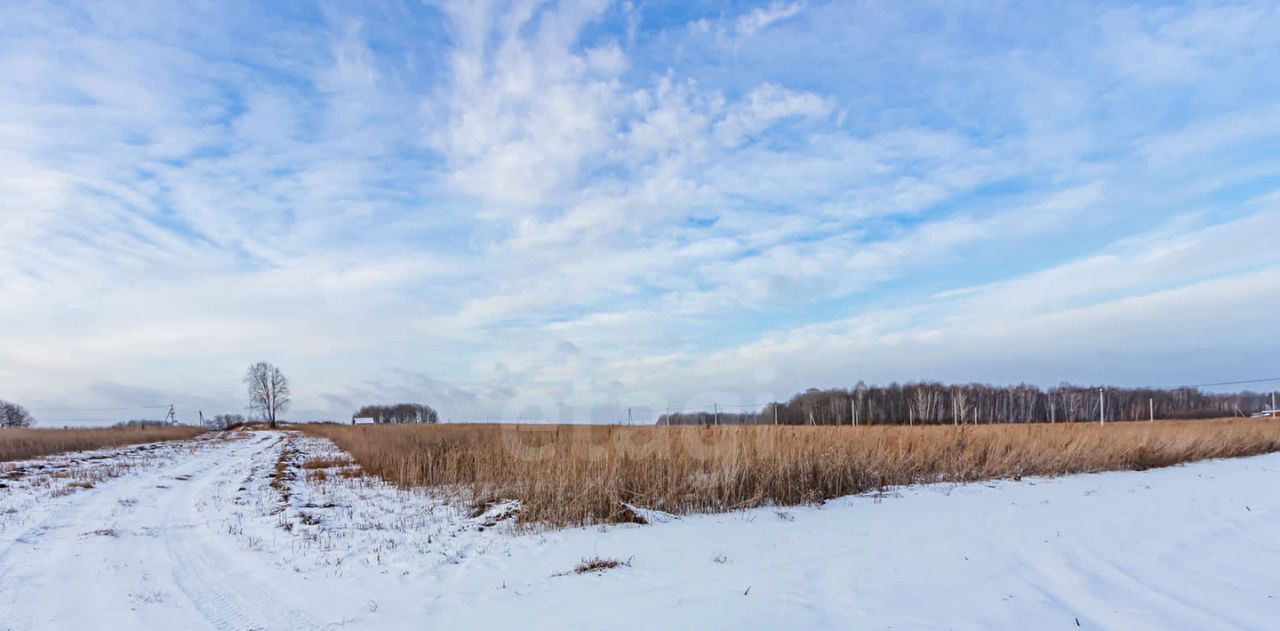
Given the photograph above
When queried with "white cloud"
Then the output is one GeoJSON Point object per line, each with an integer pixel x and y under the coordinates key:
{"type": "Point", "coordinates": [1054, 324]}
{"type": "Point", "coordinates": [761, 17]}
{"type": "Point", "coordinates": [521, 113]}
{"type": "Point", "coordinates": [766, 105]}
{"type": "Point", "coordinates": [1206, 137]}
{"type": "Point", "coordinates": [733, 31]}
{"type": "Point", "coordinates": [1180, 45]}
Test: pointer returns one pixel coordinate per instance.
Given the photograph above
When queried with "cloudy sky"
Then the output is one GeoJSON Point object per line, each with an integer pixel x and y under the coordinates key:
{"type": "Point", "coordinates": [529, 209]}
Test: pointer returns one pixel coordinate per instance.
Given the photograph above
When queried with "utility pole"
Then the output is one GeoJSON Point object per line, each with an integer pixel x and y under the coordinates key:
{"type": "Point", "coordinates": [717, 412]}
{"type": "Point", "coordinates": [628, 416]}
{"type": "Point", "coordinates": [1102, 407]}
{"type": "Point", "coordinates": [1152, 402]}
{"type": "Point", "coordinates": [775, 412]}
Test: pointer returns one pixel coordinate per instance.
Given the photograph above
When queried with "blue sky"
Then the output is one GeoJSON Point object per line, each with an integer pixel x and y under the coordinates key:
{"type": "Point", "coordinates": [542, 209]}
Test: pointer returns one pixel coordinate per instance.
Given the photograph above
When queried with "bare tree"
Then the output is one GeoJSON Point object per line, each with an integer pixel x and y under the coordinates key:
{"type": "Point", "coordinates": [268, 391]}
{"type": "Point", "coordinates": [14, 415]}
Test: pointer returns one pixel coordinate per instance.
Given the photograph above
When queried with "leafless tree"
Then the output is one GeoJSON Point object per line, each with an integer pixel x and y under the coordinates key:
{"type": "Point", "coordinates": [14, 415]}
{"type": "Point", "coordinates": [268, 391]}
{"type": "Point", "coordinates": [959, 405]}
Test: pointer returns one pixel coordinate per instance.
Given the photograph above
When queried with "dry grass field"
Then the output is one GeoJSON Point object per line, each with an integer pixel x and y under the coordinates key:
{"type": "Point", "coordinates": [574, 474]}
{"type": "Point", "coordinates": [24, 443]}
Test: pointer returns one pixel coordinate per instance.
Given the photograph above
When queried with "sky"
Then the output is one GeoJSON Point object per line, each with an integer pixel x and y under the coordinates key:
{"type": "Point", "coordinates": [562, 210]}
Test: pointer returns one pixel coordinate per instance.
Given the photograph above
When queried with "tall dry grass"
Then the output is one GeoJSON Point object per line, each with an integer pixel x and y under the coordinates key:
{"type": "Point", "coordinates": [583, 474]}
{"type": "Point", "coordinates": [25, 443]}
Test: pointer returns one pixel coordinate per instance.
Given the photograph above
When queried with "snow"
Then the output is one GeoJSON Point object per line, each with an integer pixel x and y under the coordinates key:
{"type": "Point", "coordinates": [193, 535]}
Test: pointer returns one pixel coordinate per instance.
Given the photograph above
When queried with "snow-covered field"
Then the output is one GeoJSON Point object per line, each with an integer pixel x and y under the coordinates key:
{"type": "Point", "coordinates": [191, 535]}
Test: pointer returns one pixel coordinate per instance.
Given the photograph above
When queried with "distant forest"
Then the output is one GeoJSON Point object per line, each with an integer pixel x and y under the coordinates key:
{"type": "Point", "coordinates": [941, 404]}
{"type": "Point", "coordinates": [399, 413]}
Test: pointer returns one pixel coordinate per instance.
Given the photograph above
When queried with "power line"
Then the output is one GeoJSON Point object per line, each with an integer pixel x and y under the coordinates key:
{"type": "Point", "coordinates": [1223, 383]}
{"type": "Point", "coordinates": [119, 409]}
{"type": "Point", "coordinates": [46, 421]}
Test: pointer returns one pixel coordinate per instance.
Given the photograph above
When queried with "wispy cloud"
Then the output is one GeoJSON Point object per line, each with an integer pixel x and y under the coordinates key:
{"type": "Point", "coordinates": [761, 17]}
{"type": "Point", "coordinates": [732, 31]}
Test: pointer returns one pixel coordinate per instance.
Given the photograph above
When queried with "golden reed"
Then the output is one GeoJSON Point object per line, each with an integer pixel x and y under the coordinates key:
{"type": "Point", "coordinates": [576, 474]}
{"type": "Point", "coordinates": [24, 443]}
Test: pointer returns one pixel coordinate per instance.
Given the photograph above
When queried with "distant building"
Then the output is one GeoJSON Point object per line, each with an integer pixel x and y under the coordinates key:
{"type": "Point", "coordinates": [362, 420]}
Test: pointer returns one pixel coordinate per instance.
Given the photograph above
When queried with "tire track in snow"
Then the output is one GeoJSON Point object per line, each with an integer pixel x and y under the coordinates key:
{"type": "Point", "coordinates": [75, 504]}
{"type": "Point", "coordinates": [209, 571]}
{"type": "Point", "coordinates": [88, 573]}
{"type": "Point", "coordinates": [166, 564]}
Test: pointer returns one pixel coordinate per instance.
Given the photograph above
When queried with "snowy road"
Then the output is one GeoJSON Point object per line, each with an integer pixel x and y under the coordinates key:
{"type": "Point", "coordinates": [194, 535]}
{"type": "Point", "coordinates": [127, 553]}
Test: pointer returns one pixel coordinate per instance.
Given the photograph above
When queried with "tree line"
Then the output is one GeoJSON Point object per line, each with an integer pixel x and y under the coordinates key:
{"type": "Point", "coordinates": [224, 421]}
{"type": "Point", "coordinates": [142, 422]}
{"type": "Point", "coordinates": [399, 413]}
{"type": "Point", "coordinates": [932, 403]}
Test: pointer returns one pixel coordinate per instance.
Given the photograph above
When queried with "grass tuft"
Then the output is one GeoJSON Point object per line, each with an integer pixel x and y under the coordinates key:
{"type": "Point", "coordinates": [597, 564]}
{"type": "Point", "coordinates": [328, 462]}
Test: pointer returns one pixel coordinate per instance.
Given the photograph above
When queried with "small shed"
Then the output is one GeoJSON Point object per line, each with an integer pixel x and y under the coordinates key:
{"type": "Point", "coordinates": [362, 420]}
